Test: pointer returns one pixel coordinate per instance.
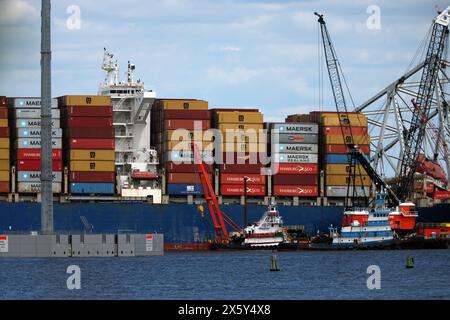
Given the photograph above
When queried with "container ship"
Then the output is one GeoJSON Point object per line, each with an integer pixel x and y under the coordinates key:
{"type": "Point", "coordinates": [122, 162]}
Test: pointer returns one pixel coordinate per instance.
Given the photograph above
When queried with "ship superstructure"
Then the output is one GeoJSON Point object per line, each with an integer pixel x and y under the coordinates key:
{"type": "Point", "coordinates": [136, 159]}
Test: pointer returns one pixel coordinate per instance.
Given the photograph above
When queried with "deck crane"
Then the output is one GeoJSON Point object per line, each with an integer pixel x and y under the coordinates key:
{"type": "Point", "coordinates": [218, 217]}
{"type": "Point", "coordinates": [355, 156]}
{"type": "Point", "coordinates": [422, 105]}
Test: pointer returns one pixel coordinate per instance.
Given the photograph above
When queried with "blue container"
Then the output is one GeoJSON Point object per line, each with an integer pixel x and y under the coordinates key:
{"type": "Point", "coordinates": [338, 158]}
{"type": "Point", "coordinates": [183, 189]}
{"type": "Point", "coordinates": [92, 188]}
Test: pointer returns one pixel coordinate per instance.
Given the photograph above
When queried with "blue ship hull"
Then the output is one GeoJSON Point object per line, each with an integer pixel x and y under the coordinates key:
{"type": "Point", "coordinates": [180, 223]}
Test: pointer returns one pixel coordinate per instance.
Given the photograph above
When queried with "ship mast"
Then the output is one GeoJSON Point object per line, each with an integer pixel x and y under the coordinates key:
{"type": "Point", "coordinates": [46, 121]}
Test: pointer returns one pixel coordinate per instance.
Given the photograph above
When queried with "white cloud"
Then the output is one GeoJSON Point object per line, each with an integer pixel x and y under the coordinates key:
{"type": "Point", "coordinates": [14, 12]}
{"type": "Point", "coordinates": [230, 48]}
{"type": "Point", "coordinates": [236, 76]}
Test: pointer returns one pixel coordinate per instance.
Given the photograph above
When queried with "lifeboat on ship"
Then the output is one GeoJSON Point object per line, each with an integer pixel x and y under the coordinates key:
{"type": "Point", "coordinates": [143, 175]}
{"type": "Point", "coordinates": [431, 168]}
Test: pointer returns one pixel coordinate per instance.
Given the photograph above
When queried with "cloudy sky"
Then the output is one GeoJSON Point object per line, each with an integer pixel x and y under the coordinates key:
{"type": "Point", "coordinates": [233, 53]}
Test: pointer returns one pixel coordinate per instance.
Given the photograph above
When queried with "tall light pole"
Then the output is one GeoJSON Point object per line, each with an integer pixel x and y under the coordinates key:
{"type": "Point", "coordinates": [46, 121]}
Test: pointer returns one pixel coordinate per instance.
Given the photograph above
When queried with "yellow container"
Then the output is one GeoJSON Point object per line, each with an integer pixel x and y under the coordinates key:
{"type": "Point", "coordinates": [88, 101]}
{"type": "Point", "coordinates": [343, 169]}
{"type": "Point", "coordinates": [187, 135]}
{"type": "Point", "coordinates": [4, 154]}
{"type": "Point", "coordinates": [355, 120]}
{"type": "Point", "coordinates": [240, 126]}
{"type": "Point", "coordinates": [244, 147]}
{"type": "Point", "coordinates": [4, 143]}
{"type": "Point", "coordinates": [339, 139]}
{"type": "Point", "coordinates": [92, 166]}
{"type": "Point", "coordinates": [186, 145]}
{"type": "Point", "coordinates": [99, 155]}
{"type": "Point", "coordinates": [3, 123]}
{"type": "Point", "coordinates": [4, 176]}
{"type": "Point", "coordinates": [182, 104]}
{"type": "Point", "coordinates": [342, 180]}
{"type": "Point", "coordinates": [239, 117]}
{"type": "Point", "coordinates": [4, 165]}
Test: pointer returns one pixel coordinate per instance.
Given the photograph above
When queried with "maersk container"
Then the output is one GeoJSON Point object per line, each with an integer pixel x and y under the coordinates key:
{"type": "Point", "coordinates": [92, 188]}
{"type": "Point", "coordinates": [295, 158]}
{"type": "Point", "coordinates": [341, 191]}
{"type": "Point", "coordinates": [35, 123]}
{"type": "Point", "coordinates": [295, 148]}
{"type": "Point", "coordinates": [302, 128]}
{"type": "Point", "coordinates": [29, 103]}
{"type": "Point", "coordinates": [187, 157]}
{"type": "Point", "coordinates": [34, 113]}
{"type": "Point", "coordinates": [28, 143]}
{"type": "Point", "coordinates": [35, 176]}
{"type": "Point", "coordinates": [35, 187]}
{"type": "Point", "coordinates": [338, 158]}
{"type": "Point", "coordinates": [36, 133]}
{"type": "Point", "coordinates": [296, 138]}
{"type": "Point", "coordinates": [184, 189]}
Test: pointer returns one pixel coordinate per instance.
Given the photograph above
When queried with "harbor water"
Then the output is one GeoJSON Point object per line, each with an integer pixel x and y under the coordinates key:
{"type": "Point", "coordinates": [234, 275]}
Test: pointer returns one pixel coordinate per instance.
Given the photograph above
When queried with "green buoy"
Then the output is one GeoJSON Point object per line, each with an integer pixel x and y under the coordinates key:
{"type": "Point", "coordinates": [274, 263]}
{"type": "Point", "coordinates": [409, 262]}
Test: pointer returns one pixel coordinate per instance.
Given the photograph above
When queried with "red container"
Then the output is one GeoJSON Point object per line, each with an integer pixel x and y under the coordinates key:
{"type": "Point", "coordinates": [96, 133]}
{"type": "Point", "coordinates": [296, 191]}
{"type": "Point", "coordinates": [35, 154]}
{"type": "Point", "coordinates": [240, 168]}
{"type": "Point", "coordinates": [4, 132]}
{"type": "Point", "coordinates": [356, 131]}
{"type": "Point", "coordinates": [342, 149]}
{"type": "Point", "coordinates": [100, 177]}
{"type": "Point", "coordinates": [303, 180]}
{"type": "Point", "coordinates": [439, 195]}
{"type": "Point", "coordinates": [187, 114]}
{"type": "Point", "coordinates": [3, 101]}
{"type": "Point", "coordinates": [297, 168]}
{"type": "Point", "coordinates": [3, 113]}
{"type": "Point", "coordinates": [4, 187]}
{"type": "Point", "coordinates": [35, 165]}
{"type": "Point", "coordinates": [238, 190]}
{"type": "Point", "coordinates": [238, 179]}
{"type": "Point", "coordinates": [89, 122]}
{"type": "Point", "coordinates": [185, 167]}
{"type": "Point", "coordinates": [103, 144]}
{"type": "Point", "coordinates": [89, 112]}
{"type": "Point", "coordinates": [186, 124]}
{"type": "Point", "coordinates": [185, 177]}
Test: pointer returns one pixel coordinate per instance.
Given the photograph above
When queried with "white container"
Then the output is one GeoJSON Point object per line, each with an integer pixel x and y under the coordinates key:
{"type": "Point", "coordinates": [36, 133]}
{"type": "Point", "coordinates": [35, 143]}
{"type": "Point", "coordinates": [35, 123]}
{"type": "Point", "coordinates": [309, 128]}
{"type": "Point", "coordinates": [341, 191]}
{"type": "Point", "coordinates": [35, 187]}
{"type": "Point", "coordinates": [29, 103]}
{"type": "Point", "coordinates": [295, 158]}
{"type": "Point", "coordinates": [295, 148]}
{"type": "Point", "coordinates": [34, 113]}
{"type": "Point", "coordinates": [35, 176]}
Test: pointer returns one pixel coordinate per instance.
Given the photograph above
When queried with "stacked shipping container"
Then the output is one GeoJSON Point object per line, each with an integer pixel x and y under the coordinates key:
{"type": "Point", "coordinates": [176, 124]}
{"type": "Point", "coordinates": [25, 115]}
{"type": "Point", "coordinates": [89, 144]}
{"type": "Point", "coordinates": [242, 148]}
{"type": "Point", "coordinates": [4, 147]}
{"type": "Point", "coordinates": [296, 157]}
{"type": "Point", "coordinates": [334, 151]}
